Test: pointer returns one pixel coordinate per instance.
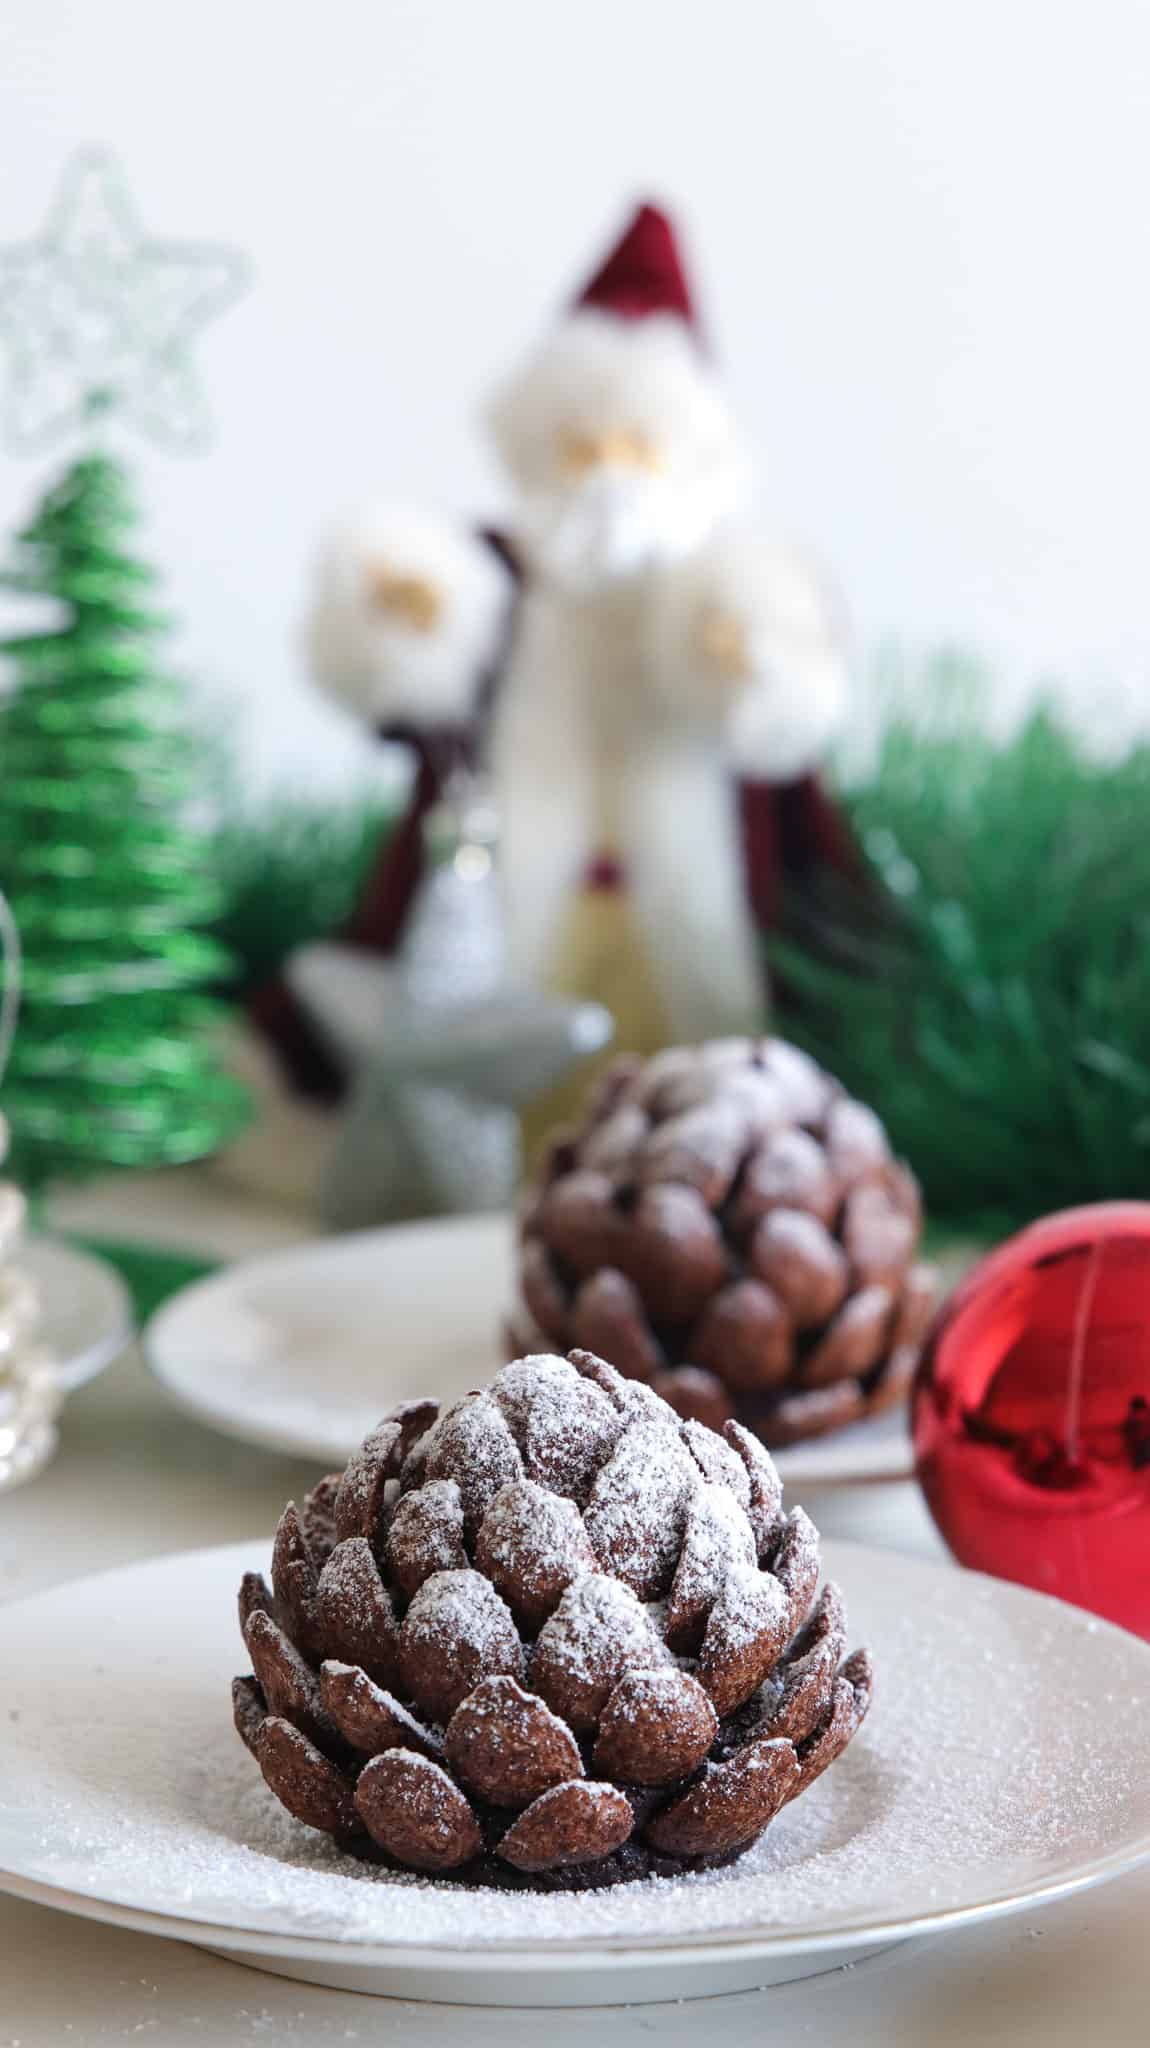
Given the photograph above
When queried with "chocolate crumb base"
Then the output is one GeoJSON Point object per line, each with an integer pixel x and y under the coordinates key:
{"type": "Point", "coordinates": [629, 1865]}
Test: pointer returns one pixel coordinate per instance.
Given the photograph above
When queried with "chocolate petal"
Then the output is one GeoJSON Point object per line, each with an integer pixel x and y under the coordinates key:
{"type": "Point", "coordinates": [289, 1685]}
{"type": "Point", "coordinates": [368, 1717]}
{"type": "Point", "coordinates": [613, 1139]}
{"type": "Point", "coordinates": [303, 1780]}
{"type": "Point", "coordinates": [473, 1445]}
{"type": "Point", "coordinates": [317, 1518]}
{"type": "Point", "coordinates": [249, 1711]}
{"type": "Point", "coordinates": [859, 1674]}
{"type": "Point", "coordinates": [354, 1618]}
{"type": "Point", "coordinates": [360, 1502]}
{"type": "Point", "coordinates": [542, 1291]}
{"type": "Point", "coordinates": [717, 1538]}
{"type": "Point", "coordinates": [671, 1248]}
{"type": "Point", "coordinates": [807, 1676]}
{"type": "Point", "coordinates": [425, 1535]}
{"type": "Point", "coordinates": [255, 1597]}
{"type": "Point", "coordinates": [699, 1148]}
{"type": "Point", "coordinates": [814, 1411]}
{"type": "Point", "coordinates": [410, 1806]}
{"type": "Point", "coordinates": [577, 1219]}
{"type": "Point", "coordinates": [574, 1823]}
{"type": "Point", "coordinates": [829, 1739]}
{"type": "Point", "coordinates": [456, 1632]}
{"type": "Point", "coordinates": [598, 1631]}
{"type": "Point", "coordinates": [294, 1579]}
{"type": "Point", "coordinates": [638, 1507]}
{"type": "Point", "coordinates": [854, 1341]}
{"type": "Point", "coordinates": [717, 1460]}
{"type": "Point", "coordinates": [509, 1747]}
{"type": "Point", "coordinates": [729, 1804]}
{"type": "Point", "coordinates": [745, 1336]}
{"type": "Point", "coordinates": [798, 1259]}
{"type": "Point", "coordinates": [532, 1545]}
{"type": "Point", "coordinates": [796, 1564]}
{"type": "Point", "coordinates": [608, 1318]}
{"type": "Point", "coordinates": [695, 1394]}
{"type": "Point", "coordinates": [657, 1726]}
{"type": "Point", "coordinates": [765, 1484]}
{"type": "Point", "coordinates": [747, 1630]}
{"type": "Point", "coordinates": [878, 1237]}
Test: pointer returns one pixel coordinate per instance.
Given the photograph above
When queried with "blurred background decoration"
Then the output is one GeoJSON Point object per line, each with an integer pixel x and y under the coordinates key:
{"type": "Point", "coordinates": [993, 990]}
{"type": "Point", "coordinates": [937, 447]}
{"type": "Point", "coordinates": [998, 1005]}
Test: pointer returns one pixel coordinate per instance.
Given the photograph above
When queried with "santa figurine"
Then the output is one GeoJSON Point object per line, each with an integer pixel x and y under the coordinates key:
{"type": "Point", "coordinates": [648, 681]}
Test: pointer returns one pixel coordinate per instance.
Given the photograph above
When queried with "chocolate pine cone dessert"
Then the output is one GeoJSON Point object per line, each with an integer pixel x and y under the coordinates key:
{"type": "Point", "coordinates": [556, 1637]}
{"type": "Point", "coordinates": [729, 1226]}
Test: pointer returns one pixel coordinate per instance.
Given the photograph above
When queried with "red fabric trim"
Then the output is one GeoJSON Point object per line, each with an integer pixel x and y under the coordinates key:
{"type": "Point", "coordinates": [790, 830]}
{"type": "Point", "coordinates": [605, 872]}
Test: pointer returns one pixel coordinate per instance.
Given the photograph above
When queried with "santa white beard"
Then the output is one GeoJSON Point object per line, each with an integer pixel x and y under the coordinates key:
{"type": "Point", "coordinates": [612, 524]}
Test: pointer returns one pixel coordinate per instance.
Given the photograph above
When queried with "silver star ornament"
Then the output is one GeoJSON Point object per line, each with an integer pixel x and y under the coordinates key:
{"type": "Point", "coordinates": [97, 317]}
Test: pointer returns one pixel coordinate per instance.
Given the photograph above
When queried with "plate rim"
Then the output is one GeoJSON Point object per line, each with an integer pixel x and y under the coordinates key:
{"type": "Point", "coordinates": [491, 1958]}
{"type": "Point", "coordinates": [587, 1953]}
{"type": "Point", "coordinates": [798, 1463]}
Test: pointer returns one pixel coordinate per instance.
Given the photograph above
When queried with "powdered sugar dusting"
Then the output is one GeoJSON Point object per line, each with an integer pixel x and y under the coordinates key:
{"type": "Point", "coordinates": [473, 1445]}
{"type": "Point", "coordinates": [638, 1505]}
{"type": "Point", "coordinates": [460, 1607]}
{"type": "Point", "coordinates": [532, 1545]}
{"type": "Point", "coordinates": [716, 1540]}
{"type": "Point", "coordinates": [716, 1460]}
{"type": "Point", "coordinates": [564, 1425]}
{"type": "Point", "coordinates": [425, 1534]}
{"type": "Point", "coordinates": [350, 1582]}
{"type": "Point", "coordinates": [598, 1631]}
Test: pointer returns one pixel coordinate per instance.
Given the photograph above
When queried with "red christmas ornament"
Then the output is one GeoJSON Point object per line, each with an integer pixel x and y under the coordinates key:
{"type": "Point", "coordinates": [1031, 1411]}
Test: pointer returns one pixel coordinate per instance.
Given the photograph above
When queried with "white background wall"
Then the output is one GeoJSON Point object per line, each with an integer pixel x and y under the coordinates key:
{"type": "Point", "coordinates": [920, 229]}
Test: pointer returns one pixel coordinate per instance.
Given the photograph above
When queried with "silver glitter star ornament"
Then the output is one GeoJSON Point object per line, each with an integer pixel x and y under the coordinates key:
{"type": "Point", "coordinates": [441, 1047]}
{"type": "Point", "coordinates": [98, 318]}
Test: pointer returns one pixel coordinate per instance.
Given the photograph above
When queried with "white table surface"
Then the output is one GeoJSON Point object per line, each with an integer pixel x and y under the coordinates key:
{"type": "Point", "coordinates": [134, 1478]}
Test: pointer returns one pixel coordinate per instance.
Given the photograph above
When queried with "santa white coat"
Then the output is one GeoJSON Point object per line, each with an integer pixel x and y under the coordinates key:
{"type": "Point", "coordinates": [661, 648]}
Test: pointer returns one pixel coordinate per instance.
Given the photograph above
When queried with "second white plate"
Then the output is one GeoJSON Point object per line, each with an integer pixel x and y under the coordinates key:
{"type": "Point", "coordinates": [85, 1307]}
{"type": "Point", "coordinates": [302, 1350]}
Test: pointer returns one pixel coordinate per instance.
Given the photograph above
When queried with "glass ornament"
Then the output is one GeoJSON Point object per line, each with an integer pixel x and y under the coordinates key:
{"type": "Point", "coordinates": [1031, 1411]}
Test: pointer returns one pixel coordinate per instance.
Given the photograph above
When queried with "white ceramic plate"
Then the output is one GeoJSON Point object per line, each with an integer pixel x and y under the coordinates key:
{"type": "Point", "coordinates": [85, 1306]}
{"type": "Point", "coordinates": [302, 1350]}
{"type": "Point", "coordinates": [1006, 1761]}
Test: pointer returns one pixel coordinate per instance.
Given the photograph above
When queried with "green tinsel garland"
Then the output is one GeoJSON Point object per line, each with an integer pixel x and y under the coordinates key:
{"type": "Point", "coordinates": [998, 1014]}
{"type": "Point", "coordinates": [290, 869]}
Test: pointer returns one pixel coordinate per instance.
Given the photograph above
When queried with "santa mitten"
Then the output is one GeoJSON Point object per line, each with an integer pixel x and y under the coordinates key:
{"type": "Point", "coordinates": [407, 615]}
{"type": "Point", "coordinates": [744, 640]}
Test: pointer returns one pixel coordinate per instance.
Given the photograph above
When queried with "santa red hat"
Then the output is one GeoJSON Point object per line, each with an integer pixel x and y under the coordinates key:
{"type": "Point", "coordinates": [643, 274]}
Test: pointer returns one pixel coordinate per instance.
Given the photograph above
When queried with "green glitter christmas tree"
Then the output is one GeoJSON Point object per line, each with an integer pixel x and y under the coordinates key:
{"type": "Point", "coordinates": [114, 1063]}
